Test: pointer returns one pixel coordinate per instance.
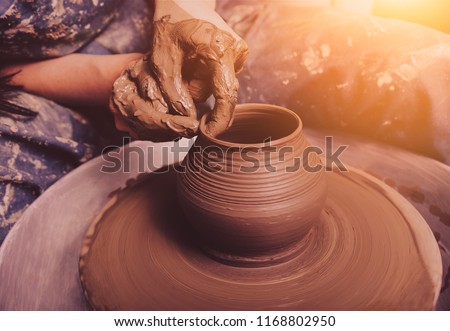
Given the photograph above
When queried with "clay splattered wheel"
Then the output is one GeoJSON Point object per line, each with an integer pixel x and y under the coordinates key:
{"type": "Point", "coordinates": [371, 251]}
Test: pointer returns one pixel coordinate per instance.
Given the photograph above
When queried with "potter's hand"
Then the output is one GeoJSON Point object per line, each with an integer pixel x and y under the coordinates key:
{"type": "Point", "coordinates": [155, 97]}
{"type": "Point", "coordinates": [140, 109]}
{"type": "Point", "coordinates": [191, 60]}
{"type": "Point", "coordinates": [195, 54]}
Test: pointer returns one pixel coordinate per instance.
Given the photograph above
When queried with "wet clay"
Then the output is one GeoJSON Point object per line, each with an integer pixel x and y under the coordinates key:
{"type": "Point", "coordinates": [137, 96]}
{"type": "Point", "coordinates": [236, 188]}
{"type": "Point", "coordinates": [289, 240]}
{"type": "Point", "coordinates": [190, 60]}
{"type": "Point", "coordinates": [369, 250]}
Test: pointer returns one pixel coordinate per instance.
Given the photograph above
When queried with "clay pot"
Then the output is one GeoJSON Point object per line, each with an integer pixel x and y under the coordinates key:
{"type": "Point", "coordinates": [253, 192]}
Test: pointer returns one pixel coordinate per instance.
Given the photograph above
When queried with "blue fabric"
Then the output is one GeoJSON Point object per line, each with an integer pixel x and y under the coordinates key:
{"type": "Point", "coordinates": [4, 5]}
{"type": "Point", "coordinates": [42, 29]}
{"type": "Point", "coordinates": [35, 151]}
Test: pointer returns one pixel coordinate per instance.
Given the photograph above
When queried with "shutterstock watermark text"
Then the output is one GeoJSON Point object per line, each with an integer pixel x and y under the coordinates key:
{"type": "Point", "coordinates": [212, 158]}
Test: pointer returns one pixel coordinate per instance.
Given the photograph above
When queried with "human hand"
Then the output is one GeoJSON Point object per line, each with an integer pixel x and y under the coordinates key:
{"type": "Point", "coordinates": [140, 109]}
{"type": "Point", "coordinates": [203, 60]}
{"type": "Point", "coordinates": [155, 97]}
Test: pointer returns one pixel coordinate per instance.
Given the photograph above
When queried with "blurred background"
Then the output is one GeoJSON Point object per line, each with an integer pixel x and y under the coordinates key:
{"type": "Point", "coordinates": [433, 13]}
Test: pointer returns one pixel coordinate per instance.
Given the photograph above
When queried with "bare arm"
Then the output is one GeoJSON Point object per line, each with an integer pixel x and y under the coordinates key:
{"type": "Point", "coordinates": [186, 9]}
{"type": "Point", "coordinates": [80, 80]}
{"type": "Point", "coordinates": [75, 80]}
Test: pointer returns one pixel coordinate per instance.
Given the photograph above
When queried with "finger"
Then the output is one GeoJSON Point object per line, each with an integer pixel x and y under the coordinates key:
{"type": "Point", "coordinates": [224, 88]}
{"type": "Point", "coordinates": [160, 121]}
{"type": "Point", "coordinates": [132, 113]}
{"type": "Point", "coordinates": [166, 61]}
{"type": "Point", "coordinates": [223, 42]}
{"type": "Point", "coordinates": [139, 72]}
{"type": "Point", "coordinates": [119, 121]}
{"type": "Point", "coordinates": [182, 125]}
{"type": "Point", "coordinates": [140, 109]}
{"type": "Point", "coordinates": [241, 52]}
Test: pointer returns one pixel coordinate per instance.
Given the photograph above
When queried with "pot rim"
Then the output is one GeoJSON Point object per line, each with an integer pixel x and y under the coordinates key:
{"type": "Point", "coordinates": [255, 106]}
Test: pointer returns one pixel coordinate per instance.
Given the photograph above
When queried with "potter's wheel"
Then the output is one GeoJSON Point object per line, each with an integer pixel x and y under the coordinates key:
{"type": "Point", "coordinates": [140, 255]}
{"type": "Point", "coordinates": [39, 259]}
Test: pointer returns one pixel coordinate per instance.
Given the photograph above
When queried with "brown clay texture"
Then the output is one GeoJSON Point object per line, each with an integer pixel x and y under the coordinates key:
{"type": "Point", "coordinates": [370, 250]}
{"type": "Point", "coordinates": [238, 193]}
{"type": "Point", "coordinates": [190, 60]}
{"type": "Point", "coordinates": [263, 239]}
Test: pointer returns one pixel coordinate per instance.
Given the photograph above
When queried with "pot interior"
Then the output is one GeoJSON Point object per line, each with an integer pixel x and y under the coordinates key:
{"type": "Point", "coordinates": [258, 125]}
